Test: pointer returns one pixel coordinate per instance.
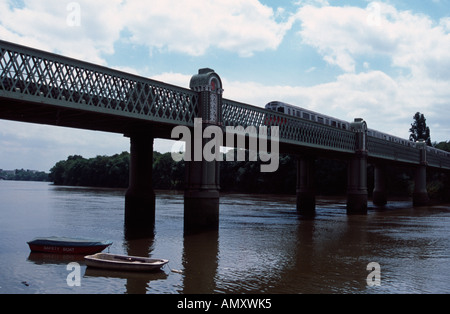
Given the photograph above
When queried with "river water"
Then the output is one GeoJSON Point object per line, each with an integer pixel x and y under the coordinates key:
{"type": "Point", "coordinates": [262, 245]}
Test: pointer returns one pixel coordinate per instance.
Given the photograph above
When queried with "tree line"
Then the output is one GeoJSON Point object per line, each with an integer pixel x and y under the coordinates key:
{"type": "Point", "coordinates": [238, 176]}
{"type": "Point", "coordinates": [101, 171]}
{"type": "Point", "coordinates": [24, 175]}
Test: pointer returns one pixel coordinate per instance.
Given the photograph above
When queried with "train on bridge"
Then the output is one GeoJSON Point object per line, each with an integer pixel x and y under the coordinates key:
{"type": "Point", "coordinates": [310, 115]}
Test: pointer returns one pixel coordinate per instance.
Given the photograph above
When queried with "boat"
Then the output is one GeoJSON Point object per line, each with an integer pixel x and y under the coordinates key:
{"type": "Point", "coordinates": [63, 245]}
{"type": "Point", "coordinates": [124, 262]}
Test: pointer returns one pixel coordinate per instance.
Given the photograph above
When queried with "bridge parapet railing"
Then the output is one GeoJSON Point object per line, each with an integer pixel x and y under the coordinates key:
{"type": "Point", "coordinates": [383, 149]}
{"type": "Point", "coordinates": [438, 159]}
{"type": "Point", "coordinates": [292, 130]}
{"type": "Point", "coordinates": [42, 77]}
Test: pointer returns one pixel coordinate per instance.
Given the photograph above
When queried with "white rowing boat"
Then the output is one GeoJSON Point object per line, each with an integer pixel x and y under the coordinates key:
{"type": "Point", "coordinates": [124, 262]}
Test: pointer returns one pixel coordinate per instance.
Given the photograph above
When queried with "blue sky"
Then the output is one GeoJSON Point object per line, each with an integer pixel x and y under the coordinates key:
{"type": "Point", "coordinates": [379, 60]}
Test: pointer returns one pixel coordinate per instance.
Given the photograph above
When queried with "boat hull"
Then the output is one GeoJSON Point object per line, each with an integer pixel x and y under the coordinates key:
{"type": "Point", "coordinates": [124, 263]}
{"type": "Point", "coordinates": [67, 245]}
{"type": "Point", "coordinates": [67, 249]}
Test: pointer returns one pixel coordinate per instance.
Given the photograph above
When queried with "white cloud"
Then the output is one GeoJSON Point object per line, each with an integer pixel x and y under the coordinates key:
{"type": "Point", "coordinates": [192, 27]}
{"type": "Point", "coordinates": [411, 41]}
{"type": "Point", "coordinates": [39, 147]}
{"type": "Point", "coordinates": [49, 25]}
{"type": "Point", "coordinates": [185, 26]}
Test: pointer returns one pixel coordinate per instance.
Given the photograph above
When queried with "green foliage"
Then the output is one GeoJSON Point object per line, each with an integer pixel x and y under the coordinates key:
{"type": "Point", "coordinates": [419, 129]}
{"type": "Point", "coordinates": [25, 175]}
{"type": "Point", "coordinates": [101, 171]}
{"type": "Point", "coordinates": [246, 177]}
{"type": "Point", "coordinates": [167, 174]}
{"type": "Point", "coordinates": [443, 146]}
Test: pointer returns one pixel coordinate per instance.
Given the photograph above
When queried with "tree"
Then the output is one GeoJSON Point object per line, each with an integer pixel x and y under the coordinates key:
{"type": "Point", "coordinates": [419, 130]}
{"type": "Point", "coordinates": [443, 146]}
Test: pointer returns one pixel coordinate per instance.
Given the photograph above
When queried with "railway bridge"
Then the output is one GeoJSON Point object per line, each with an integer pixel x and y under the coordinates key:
{"type": "Point", "coordinates": [45, 88]}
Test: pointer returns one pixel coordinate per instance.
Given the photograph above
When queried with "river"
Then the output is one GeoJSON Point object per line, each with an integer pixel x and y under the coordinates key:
{"type": "Point", "coordinates": [262, 245]}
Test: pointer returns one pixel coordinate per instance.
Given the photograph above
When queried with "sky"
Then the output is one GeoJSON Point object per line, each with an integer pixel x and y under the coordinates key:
{"type": "Point", "coordinates": [382, 61]}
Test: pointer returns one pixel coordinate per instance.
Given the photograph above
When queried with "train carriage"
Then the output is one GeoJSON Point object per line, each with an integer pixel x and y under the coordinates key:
{"type": "Point", "coordinates": [310, 115]}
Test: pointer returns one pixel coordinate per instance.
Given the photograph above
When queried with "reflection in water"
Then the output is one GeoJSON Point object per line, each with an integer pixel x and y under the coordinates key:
{"type": "Point", "coordinates": [200, 262]}
{"type": "Point", "coordinates": [56, 259]}
{"type": "Point", "coordinates": [134, 245]}
{"type": "Point", "coordinates": [139, 279]}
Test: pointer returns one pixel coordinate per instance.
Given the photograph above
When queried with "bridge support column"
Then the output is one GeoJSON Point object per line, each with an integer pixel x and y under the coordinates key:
{"type": "Point", "coordinates": [201, 196]}
{"type": "Point", "coordinates": [379, 191]}
{"type": "Point", "coordinates": [306, 195]}
{"type": "Point", "coordinates": [357, 172]}
{"type": "Point", "coordinates": [420, 195]}
{"type": "Point", "coordinates": [140, 197]}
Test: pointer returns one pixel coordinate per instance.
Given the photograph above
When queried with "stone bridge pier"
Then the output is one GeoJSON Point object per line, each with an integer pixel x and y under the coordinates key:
{"type": "Point", "coordinates": [379, 195]}
{"type": "Point", "coordinates": [420, 195]}
{"type": "Point", "coordinates": [306, 194]}
{"type": "Point", "coordinates": [140, 197]}
{"type": "Point", "coordinates": [357, 171]}
{"type": "Point", "coordinates": [202, 181]}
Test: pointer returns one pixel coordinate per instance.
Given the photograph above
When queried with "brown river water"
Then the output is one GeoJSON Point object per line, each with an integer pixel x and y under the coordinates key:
{"type": "Point", "coordinates": [262, 245]}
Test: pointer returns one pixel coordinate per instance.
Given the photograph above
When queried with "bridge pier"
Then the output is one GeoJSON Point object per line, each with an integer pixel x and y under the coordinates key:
{"type": "Point", "coordinates": [357, 172]}
{"type": "Point", "coordinates": [140, 197]}
{"type": "Point", "coordinates": [201, 196]}
{"type": "Point", "coordinates": [379, 191]}
{"type": "Point", "coordinates": [420, 195]}
{"type": "Point", "coordinates": [306, 195]}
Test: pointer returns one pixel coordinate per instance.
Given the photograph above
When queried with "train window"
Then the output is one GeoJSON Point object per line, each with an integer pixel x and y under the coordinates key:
{"type": "Point", "coordinates": [313, 117]}
{"type": "Point", "coordinates": [305, 115]}
{"type": "Point", "coordinates": [320, 119]}
{"type": "Point", "coordinates": [298, 114]}
{"type": "Point", "coordinates": [289, 111]}
{"type": "Point", "coordinates": [280, 109]}
{"type": "Point", "coordinates": [333, 123]}
{"type": "Point", "coordinates": [344, 126]}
